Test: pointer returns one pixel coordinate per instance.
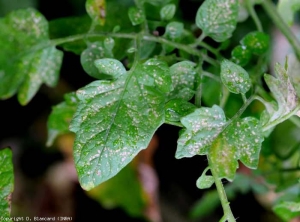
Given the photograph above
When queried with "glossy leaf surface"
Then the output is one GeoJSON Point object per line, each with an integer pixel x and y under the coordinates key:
{"type": "Point", "coordinates": [257, 42]}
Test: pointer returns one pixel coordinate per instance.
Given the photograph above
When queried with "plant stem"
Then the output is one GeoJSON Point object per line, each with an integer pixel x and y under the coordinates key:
{"type": "Point", "coordinates": [281, 119]}
{"type": "Point", "coordinates": [281, 25]}
{"type": "Point", "coordinates": [222, 195]}
{"type": "Point", "coordinates": [225, 97]}
{"type": "Point", "coordinates": [244, 98]}
{"type": "Point", "coordinates": [254, 16]}
{"type": "Point", "coordinates": [161, 40]}
{"type": "Point", "coordinates": [198, 94]}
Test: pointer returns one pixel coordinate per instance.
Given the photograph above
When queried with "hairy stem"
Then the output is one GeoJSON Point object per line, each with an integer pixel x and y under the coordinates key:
{"type": "Point", "coordinates": [271, 10]}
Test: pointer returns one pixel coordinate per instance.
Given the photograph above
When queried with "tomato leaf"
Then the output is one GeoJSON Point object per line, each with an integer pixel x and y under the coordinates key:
{"type": "Point", "coordinates": [218, 18]}
{"type": "Point", "coordinates": [116, 119]}
{"type": "Point", "coordinates": [60, 117]}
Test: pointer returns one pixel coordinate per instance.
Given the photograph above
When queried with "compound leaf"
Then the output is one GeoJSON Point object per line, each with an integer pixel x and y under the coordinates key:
{"type": "Point", "coordinates": [6, 182]}
{"type": "Point", "coordinates": [116, 119]}
{"type": "Point", "coordinates": [218, 18]}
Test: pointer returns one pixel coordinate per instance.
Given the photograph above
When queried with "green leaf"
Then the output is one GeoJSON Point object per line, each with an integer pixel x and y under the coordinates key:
{"type": "Point", "coordinates": [174, 30]}
{"type": "Point", "coordinates": [218, 18]}
{"type": "Point", "coordinates": [241, 55]}
{"type": "Point", "coordinates": [183, 79]}
{"type": "Point", "coordinates": [60, 117]}
{"type": "Point", "coordinates": [124, 191]}
{"type": "Point", "coordinates": [37, 68]}
{"type": "Point", "coordinates": [287, 10]}
{"type": "Point", "coordinates": [240, 141]}
{"type": "Point", "coordinates": [202, 128]}
{"type": "Point", "coordinates": [110, 67]}
{"type": "Point", "coordinates": [167, 12]}
{"type": "Point", "coordinates": [177, 108]}
{"type": "Point", "coordinates": [205, 135]}
{"type": "Point", "coordinates": [257, 42]}
{"type": "Point", "coordinates": [94, 51]}
{"type": "Point", "coordinates": [26, 58]}
{"type": "Point", "coordinates": [116, 119]}
{"type": "Point", "coordinates": [234, 77]}
{"type": "Point", "coordinates": [284, 93]}
{"type": "Point", "coordinates": [96, 10]}
{"type": "Point", "coordinates": [287, 210]}
{"type": "Point", "coordinates": [136, 16]}
{"type": "Point", "coordinates": [6, 182]}
{"type": "Point", "coordinates": [205, 181]}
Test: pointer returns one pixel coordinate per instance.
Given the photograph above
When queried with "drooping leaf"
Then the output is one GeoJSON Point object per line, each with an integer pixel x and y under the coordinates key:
{"type": "Point", "coordinates": [287, 210]}
{"type": "Point", "coordinates": [234, 77]}
{"type": "Point", "coordinates": [6, 182]}
{"type": "Point", "coordinates": [40, 67]}
{"type": "Point", "coordinates": [60, 117]}
{"type": "Point", "coordinates": [167, 12]}
{"type": "Point", "coordinates": [257, 42]}
{"type": "Point", "coordinates": [136, 16]}
{"type": "Point", "coordinates": [287, 10]}
{"type": "Point", "coordinates": [205, 181]}
{"type": "Point", "coordinates": [96, 10]}
{"type": "Point", "coordinates": [218, 18]}
{"type": "Point", "coordinates": [175, 109]}
{"type": "Point", "coordinates": [26, 58]}
{"type": "Point", "coordinates": [284, 93]}
{"type": "Point", "coordinates": [202, 128]}
{"type": "Point", "coordinates": [183, 79]}
{"type": "Point", "coordinates": [116, 119]}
